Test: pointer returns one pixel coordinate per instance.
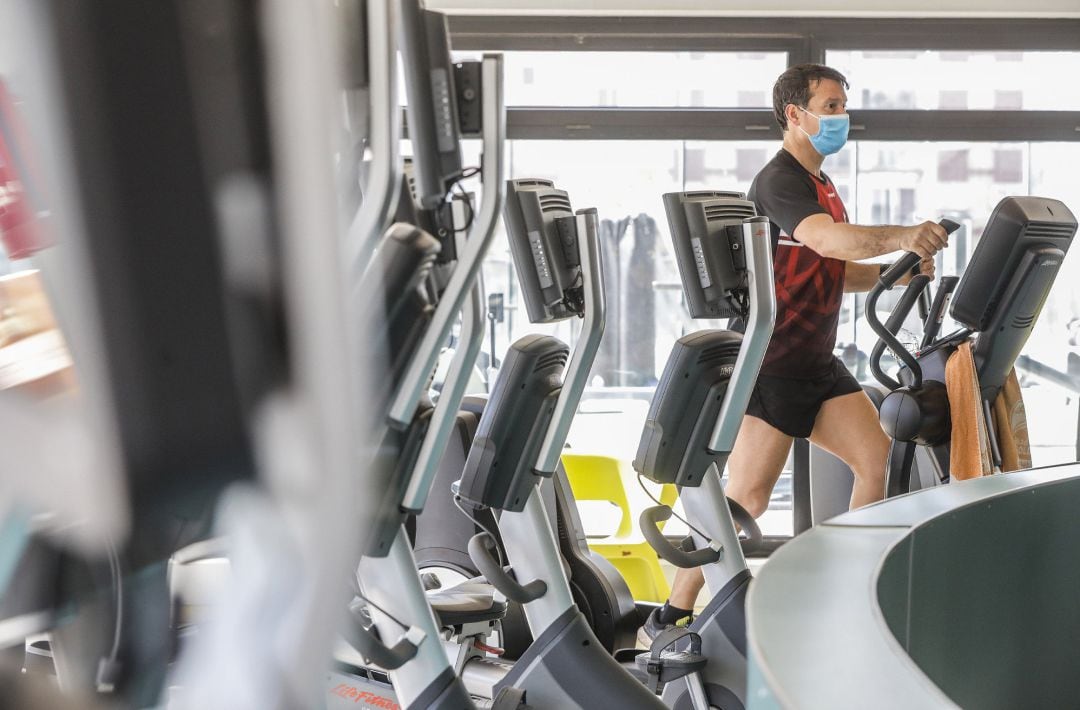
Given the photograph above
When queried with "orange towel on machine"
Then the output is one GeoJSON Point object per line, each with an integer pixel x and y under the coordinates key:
{"type": "Point", "coordinates": [1010, 423]}
{"type": "Point", "coordinates": [970, 454]}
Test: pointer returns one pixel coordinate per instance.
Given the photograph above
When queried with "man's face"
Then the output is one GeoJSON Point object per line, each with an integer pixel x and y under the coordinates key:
{"type": "Point", "coordinates": [827, 98]}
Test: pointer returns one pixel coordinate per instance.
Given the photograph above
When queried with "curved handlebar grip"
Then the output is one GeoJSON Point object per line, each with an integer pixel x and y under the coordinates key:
{"type": "Point", "coordinates": [892, 274]}
{"type": "Point", "coordinates": [370, 647]}
{"type": "Point", "coordinates": [924, 294]}
{"type": "Point", "coordinates": [926, 305]}
{"type": "Point", "coordinates": [480, 548]}
{"type": "Point", "coordinates": [949, 225]}
{"type": "Point", "coordinates": [650, 527]}
{"type": "Point", "coordinates": [916, 287]}
{"type": "Point", "coordinates": [910, 260]}
{"type": "Point", "coordinates": [754, 539]}
{"type": "Point", "coordinates": [875, 367]}
{"type": "Point", "coordinates": [887, 280]}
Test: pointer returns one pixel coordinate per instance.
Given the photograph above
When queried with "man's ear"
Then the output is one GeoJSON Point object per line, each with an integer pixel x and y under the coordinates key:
{"type": "Point", "coordinates": [792, 115]}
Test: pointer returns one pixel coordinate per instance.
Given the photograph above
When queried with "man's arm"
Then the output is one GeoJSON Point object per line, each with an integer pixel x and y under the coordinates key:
{"type": "Point", "coordinates": [852, 242]}
{"type": "Point", "coordinates": [859, 278]}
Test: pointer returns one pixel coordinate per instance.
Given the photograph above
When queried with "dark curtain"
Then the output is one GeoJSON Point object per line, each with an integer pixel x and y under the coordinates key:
{"type": "Point", "coordinates": [607, 363]}
{"type": "Point", "coordinates": [638, 318]}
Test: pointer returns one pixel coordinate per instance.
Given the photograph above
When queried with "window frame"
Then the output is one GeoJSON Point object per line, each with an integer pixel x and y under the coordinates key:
{"type": "Point", "coordinates": [804, 40]}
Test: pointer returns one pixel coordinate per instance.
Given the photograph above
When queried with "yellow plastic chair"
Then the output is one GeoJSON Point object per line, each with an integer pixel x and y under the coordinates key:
{"type": "Point", "coordinates": [596, 478]}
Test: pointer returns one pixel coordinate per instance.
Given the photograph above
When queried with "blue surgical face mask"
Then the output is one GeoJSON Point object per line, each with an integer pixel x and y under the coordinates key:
{"type": "Point", "coordinates": [832, 132]}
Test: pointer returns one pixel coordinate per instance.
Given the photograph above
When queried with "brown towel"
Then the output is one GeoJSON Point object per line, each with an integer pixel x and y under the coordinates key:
{"type": "Point", "coordinates": [970, 447]}
{"type": "Point", "coordinates": [1010, 423]}
{"type": "Point", "coordinates": [970, 455]}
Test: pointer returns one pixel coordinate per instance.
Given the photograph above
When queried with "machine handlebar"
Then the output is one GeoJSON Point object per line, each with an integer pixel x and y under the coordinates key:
{"type": "Point", "coordinates": [888, 279]}
{"type": "Point", "coordinates": [650, 527]}
{"type": "Point", "coordinates": [481, 547]}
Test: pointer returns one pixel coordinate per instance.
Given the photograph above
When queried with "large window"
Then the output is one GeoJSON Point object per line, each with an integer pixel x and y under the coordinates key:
{"type": "Point", "coordinates": [959, 79]}
{"type": "Point", "coordinates": [882, 182]}
{"type": "Point", "coordinates": [625, 181]}
{"type": "Point", "coordinates": [682, 79]}
{"type": "Point", "coordinates": [948, 117]}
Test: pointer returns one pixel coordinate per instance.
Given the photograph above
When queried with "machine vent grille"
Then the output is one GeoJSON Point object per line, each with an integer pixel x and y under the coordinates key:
{"type": "Point", "coordinates": [423, 269]}
{"type": "Point", "coordinates": [555, 359]}
{"type": "Point", "coordinates": [728, 212]}
{"type": "Point", "coordinates": [715, 194]}
{"type": "Point", "coordinates": [718, 352]}
{"type": "Point", "coordinates": [1049, 230]}
{"type": "Point", "coordinates": [1023, 321]}
{"type": "Point", "coordinates": [552, 202]}
{"type": "Point", "coordinates": [534, 182]}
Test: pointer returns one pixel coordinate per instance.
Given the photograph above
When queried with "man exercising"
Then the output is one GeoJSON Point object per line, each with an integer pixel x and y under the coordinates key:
{"type": "Point", "coordinates": [803, 390]}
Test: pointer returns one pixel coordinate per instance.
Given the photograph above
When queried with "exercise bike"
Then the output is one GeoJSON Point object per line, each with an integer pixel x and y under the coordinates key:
{"type": "Point", "coordinates": [724, 255]}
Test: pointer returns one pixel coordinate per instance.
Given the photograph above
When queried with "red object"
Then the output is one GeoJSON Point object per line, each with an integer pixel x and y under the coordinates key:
{"type": "Point", "coordinates": [21, 230]}
{"type": "Point", "coordinates": [493, 650]}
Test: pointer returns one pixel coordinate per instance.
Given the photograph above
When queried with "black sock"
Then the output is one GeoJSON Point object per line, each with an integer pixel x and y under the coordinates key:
{"type": "Point", "coordinates": [671, 614]}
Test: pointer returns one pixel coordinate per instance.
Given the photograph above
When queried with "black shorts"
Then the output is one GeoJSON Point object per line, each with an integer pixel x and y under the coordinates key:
{"type": "Point", "coordinates": [792, 404]}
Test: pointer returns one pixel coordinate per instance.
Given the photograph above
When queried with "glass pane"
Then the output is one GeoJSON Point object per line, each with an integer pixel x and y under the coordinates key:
{"type": "Point", "coordinates": [959, 80]}
{"type": "Point", "coordinates": [903, 183]}
{"type": "Point", "coordinates": [670, 79]}
{"type": "Point", "coordinates": [728, 165]}
{"type": "Point", "coordinates": [1055, 341]}
{"type": "Point", "coordinates": [646, 314]}
{"type": "Point", "coordinates": [624, 180]}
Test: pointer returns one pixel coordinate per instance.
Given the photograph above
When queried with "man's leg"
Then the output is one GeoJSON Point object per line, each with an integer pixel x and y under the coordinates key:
{"type": "Point", "coordinates": [679, 606]}
{"type": "Point", "coordinates": [847, 427]}
{"type": "Point", "coordinates": [756, 462]}
{"type": "Point", "coordinates": [753, 468]}
{"type": "Point", "coordinates": [684, 591]}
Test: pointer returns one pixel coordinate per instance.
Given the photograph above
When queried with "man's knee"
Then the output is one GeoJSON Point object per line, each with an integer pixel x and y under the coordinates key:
{"type": "Point", "coordinates": [756, 501]}
{"type": "Point", "coordinates": [752, 493]}
{"type": "Point", "coordinates": [869, 473]}
{"type": "Point", "coordinates": [870, 463]}
{"type": "Point", "coordinates": [756, 464]}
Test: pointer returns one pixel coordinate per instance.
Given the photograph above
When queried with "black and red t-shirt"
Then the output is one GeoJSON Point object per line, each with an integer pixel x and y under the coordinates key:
{"type": "Point", "coordinates": [809, 287]}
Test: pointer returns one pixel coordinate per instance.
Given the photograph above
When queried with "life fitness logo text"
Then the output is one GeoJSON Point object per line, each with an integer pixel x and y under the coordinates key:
{"type": "Point", "coordinates": [349, 692]}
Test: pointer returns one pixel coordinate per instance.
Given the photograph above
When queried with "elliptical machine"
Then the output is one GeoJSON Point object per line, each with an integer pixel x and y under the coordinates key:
{"type": "Point", "coordinates": [996, 302]}
{"type": "Point", "coordinates": [724, 255]}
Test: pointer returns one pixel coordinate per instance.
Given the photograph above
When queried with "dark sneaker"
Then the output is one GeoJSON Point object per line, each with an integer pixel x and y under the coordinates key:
{"type": "Point", "coordinates": [653, 628]}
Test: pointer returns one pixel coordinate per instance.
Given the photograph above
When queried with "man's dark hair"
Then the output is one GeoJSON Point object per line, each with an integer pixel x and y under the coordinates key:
{"type": "Point", "coordinates": [794, 87]}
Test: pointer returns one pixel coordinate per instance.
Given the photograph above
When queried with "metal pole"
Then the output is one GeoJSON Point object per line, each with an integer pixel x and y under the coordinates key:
{"type": "Point", "coordinates": [416, 377]}
{"type": "Point", "coordinates": [577, 372]}
{"type": "Point", "coordinates": [758, 246]}
{"type": "Point", "coordinates": [384, 173]}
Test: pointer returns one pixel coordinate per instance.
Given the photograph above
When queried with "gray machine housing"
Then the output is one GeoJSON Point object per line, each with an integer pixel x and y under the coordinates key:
{"type": "Point", "coordinates": [674, 446]}
{"type": "Point", "coordinates": [547, 259]}
{"type": "Point", "coordinates": [404, 262]}
{"type": "Point", "coordinates": [707, 234]}
{"type": "Point", "coordinates": [499, 469]}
